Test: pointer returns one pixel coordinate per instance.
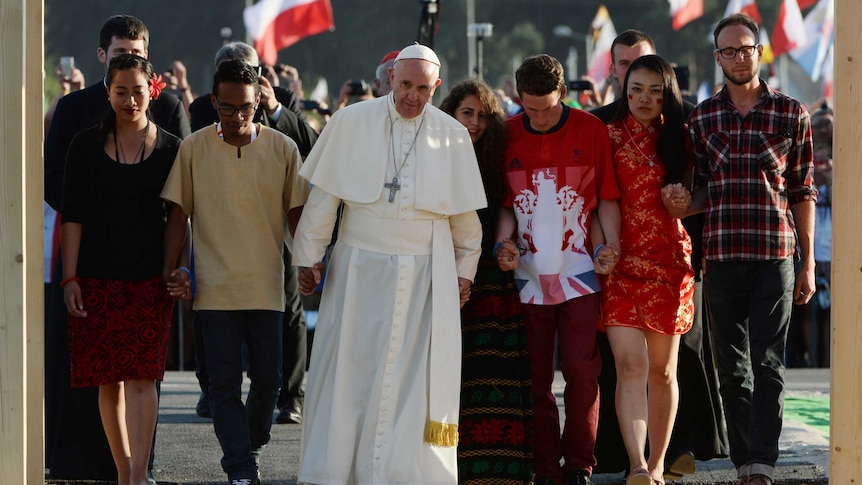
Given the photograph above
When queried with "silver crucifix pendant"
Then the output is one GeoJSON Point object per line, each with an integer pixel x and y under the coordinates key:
{"type": "Point", "coordinates": [393, 187]}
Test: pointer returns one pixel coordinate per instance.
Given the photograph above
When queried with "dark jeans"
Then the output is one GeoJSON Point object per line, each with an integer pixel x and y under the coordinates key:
{"type": "Point", "coordinates": [242, 429]}
{"type": "Point", "coordinates": [294, 344]}
{"type": "Point", "coordinates": [574, 324]}
{"type": "Point", "coordinates": [750, 304]}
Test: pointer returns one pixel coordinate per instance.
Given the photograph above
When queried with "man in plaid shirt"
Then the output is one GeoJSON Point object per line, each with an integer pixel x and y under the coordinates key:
{"type": "Point", "coordinates": [754, 158]}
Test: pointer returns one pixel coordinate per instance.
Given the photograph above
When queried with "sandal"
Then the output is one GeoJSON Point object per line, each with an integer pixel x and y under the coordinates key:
{"type": "Point", "coordinates": [640, 476]}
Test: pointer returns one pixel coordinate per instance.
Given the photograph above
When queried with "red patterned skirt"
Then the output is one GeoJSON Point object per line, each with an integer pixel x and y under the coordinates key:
{"type": "Point", "coordinates": [125, 333]}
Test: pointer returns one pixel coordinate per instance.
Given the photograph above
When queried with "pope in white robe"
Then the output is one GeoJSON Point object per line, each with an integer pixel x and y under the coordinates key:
{"type": "Point", "coordinates": [381, 404]}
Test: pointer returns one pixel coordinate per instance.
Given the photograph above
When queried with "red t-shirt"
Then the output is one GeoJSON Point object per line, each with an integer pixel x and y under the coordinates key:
{"type": "Point", "coordinates": [554, 181]}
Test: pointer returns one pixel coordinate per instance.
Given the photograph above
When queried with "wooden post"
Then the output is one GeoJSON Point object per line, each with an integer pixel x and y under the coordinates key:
{"type": "Point", "coordinates": [846, 395]}
{"type": "Point", "coordinates": [21, 290]}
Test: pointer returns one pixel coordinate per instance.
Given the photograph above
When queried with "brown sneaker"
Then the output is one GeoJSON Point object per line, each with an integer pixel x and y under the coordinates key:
{"type": "Point", "coordinates": [759, 479]}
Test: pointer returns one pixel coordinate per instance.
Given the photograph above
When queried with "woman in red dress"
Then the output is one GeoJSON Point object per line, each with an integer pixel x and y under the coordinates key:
{"type": "Point", "coordinates": [112, 242]}
{"type": "Point", "coordinates": [647, 299]}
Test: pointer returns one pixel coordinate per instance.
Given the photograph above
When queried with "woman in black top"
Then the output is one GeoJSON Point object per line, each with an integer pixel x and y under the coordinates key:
{"type": "Point", "coordinates": [112, 243]}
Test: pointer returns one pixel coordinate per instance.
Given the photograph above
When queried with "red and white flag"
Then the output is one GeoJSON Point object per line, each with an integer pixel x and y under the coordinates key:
{"type": "Point", "coordinates": [789, 32]}
{"type": "Point", "coordinates": [819, 27]}
{"type": "Point", "coordinates": [748, 7]}
{"type": "Point", "coordinates": [684, 11]}
{"type": "Point", "coordinates": [277, 24]}
{"type": "Point", "coordinates": [603, 32]}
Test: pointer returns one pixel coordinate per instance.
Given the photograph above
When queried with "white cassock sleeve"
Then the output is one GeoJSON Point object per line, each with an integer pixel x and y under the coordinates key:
{"type": "Point", "coordinates": [314, 231]}
{"type": "Point", "coordinates": [467, 240]}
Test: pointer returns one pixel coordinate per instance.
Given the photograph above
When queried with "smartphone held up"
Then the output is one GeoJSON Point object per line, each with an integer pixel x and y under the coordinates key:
{"type": "Point", "coordinates": [67, 66]}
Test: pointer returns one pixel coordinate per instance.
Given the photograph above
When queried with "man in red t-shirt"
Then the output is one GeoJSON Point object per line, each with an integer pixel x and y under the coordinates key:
{"type": "Point", "coordinates": [558, 172]}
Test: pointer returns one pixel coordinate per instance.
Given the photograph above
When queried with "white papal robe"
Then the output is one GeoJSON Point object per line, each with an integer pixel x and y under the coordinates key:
{"type": "Point", "coordinates": [386, 356]}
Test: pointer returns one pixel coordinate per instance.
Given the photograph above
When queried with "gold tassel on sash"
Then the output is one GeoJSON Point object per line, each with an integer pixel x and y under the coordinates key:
{"type": "Point", "coordinates": [441, 434]}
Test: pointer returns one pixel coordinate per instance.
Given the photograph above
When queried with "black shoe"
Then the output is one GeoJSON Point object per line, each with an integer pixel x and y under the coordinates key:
{"type": "Point", "coordinates": [289, 414]}
{"type": "Point", "coordinates": [543, 481]}
{"type": "Point", "coordinates": [245, 481]}
{"type": "Point", "coordinates": [151, 480]}
{"type": "Point", "coordinates": [203, 406]}
{"type": "Point", "coordinates": [578, 477]}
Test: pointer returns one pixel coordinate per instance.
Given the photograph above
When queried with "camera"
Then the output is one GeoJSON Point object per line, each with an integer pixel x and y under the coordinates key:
{"type": "Point", "coordinates": [580, 85]}
{"type": "Point", "coordinates": [67, 65]}
{"type": "Point", "coordinates": [357, 88]}
{"type": "Point", "coordinates": [309, 105]}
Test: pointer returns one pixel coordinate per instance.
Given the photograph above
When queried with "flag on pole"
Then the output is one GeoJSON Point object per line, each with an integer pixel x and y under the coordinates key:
{"type": "Point", "coordinates": [828, 72]}
{"type": "Point", "coordinates": [604, 33]}
{"type": "Point", "coordinates": [684, 11]}
{"type": "Point", "coordinates": [768, 55]}
{"type": "Point", "coordinates": [748, 7]}
{"type": "Point", "coordinates": [277, 24]}
{"type": "Point", "coordinates": [789, 31]}
{"type": "Point", "coordinates": [819, 31]}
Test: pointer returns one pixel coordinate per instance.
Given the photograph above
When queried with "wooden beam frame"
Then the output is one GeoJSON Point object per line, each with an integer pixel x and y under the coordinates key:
{"type": "Point", "coordinates": [21, 287]}
{"type": "Point", "coordinates": [846, 394]}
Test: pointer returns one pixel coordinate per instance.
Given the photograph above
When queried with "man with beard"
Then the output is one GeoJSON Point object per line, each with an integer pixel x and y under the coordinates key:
{"type": "Point", "coordinates": [754, 159]}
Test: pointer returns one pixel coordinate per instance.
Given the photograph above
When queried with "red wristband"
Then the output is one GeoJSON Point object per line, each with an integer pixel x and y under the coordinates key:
{"type": "Point", "coordinates": [68, 280]}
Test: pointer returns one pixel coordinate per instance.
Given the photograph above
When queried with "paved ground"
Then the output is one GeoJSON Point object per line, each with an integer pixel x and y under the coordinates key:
{"type": "Point", "coordinates": [187, 451]}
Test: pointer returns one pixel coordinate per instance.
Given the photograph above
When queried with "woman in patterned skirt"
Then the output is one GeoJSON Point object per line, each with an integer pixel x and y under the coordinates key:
{"type": "Point", "coordinates": [112, 242]}
{"type": "Point", "coordinates": [496, 405]}
{"type": "Point", "coordinates": [647, 299]}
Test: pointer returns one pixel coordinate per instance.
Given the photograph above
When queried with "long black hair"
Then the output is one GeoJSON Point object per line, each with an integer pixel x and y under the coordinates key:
{"type": "Point", "coordinates": [491, 148]}
{"type": "Point", "coordinates": [123, 62]}
{"type": "Point", "coordinates": [673, 136]}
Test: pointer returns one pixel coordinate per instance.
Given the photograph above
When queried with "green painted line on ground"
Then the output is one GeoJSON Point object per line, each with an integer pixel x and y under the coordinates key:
{"type": "Point", "coordinates": [813, 411]}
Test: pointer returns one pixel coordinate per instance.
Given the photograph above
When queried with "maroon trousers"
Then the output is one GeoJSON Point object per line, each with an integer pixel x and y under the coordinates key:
{"type": "Point", "coordinates": [574, 323]}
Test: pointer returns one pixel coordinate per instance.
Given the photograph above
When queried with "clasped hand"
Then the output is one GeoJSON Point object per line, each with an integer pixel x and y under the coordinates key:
{"type": "Point", "coordinates": [676, 199]}
{"type": "Point", "coordinates": [607, 258]}
{"type": "Point", "coordinates": [179, 285]}
{"type": "Point", "coordinates": [507, 255]}
{"type": "Point", "coordinates": [309, 278]}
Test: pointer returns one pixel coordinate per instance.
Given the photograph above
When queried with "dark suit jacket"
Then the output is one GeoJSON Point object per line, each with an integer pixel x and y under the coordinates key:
{"type": "Point", "coordinates": [291, 122]}
{"type": "Point", "coordinates": [85, 108]}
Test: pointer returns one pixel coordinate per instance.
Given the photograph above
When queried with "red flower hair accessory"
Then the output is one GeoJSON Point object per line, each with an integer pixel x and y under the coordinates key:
{"type": "Point", "coordinates": [156, 86]}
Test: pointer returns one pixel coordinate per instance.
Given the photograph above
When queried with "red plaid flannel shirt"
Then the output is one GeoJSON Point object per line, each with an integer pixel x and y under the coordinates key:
{"type": "Point", "coordinates": [755, 168]}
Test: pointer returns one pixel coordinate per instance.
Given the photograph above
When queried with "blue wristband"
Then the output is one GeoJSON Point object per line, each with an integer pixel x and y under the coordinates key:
{"type": "Point", "coordinates": [596, 251]}
{"type": "Point", "coordinates": [496, 247]}
{"type": "Point", "coordinates": [187, 271]}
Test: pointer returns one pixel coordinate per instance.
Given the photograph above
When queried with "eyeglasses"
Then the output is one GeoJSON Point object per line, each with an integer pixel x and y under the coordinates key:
{"type": "Point", "coordinates": [731, 52]}
{"type": "Point", "coordinates": [245, 111]}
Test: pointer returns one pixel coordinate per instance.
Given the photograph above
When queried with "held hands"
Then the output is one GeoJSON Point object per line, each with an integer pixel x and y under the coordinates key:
{"type": "Point", "coordinates": [179, 284]}
{"type": "Point", "coordinates": [73, 300]}
{"type": "Point", "coordinates": [464, 290]}
{"type": "Point", "coordinates": [676, 199]}
{"type": "Point", "coordinates": [606, 258]}
{"type": "Point", "coordinates": [309, 278]}
{"type": "Point", "coordinates": [507, 255]}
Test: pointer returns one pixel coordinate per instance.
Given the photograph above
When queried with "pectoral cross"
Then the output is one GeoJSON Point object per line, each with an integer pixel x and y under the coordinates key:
{"type": "Point", "coordinates": [393, 187]}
